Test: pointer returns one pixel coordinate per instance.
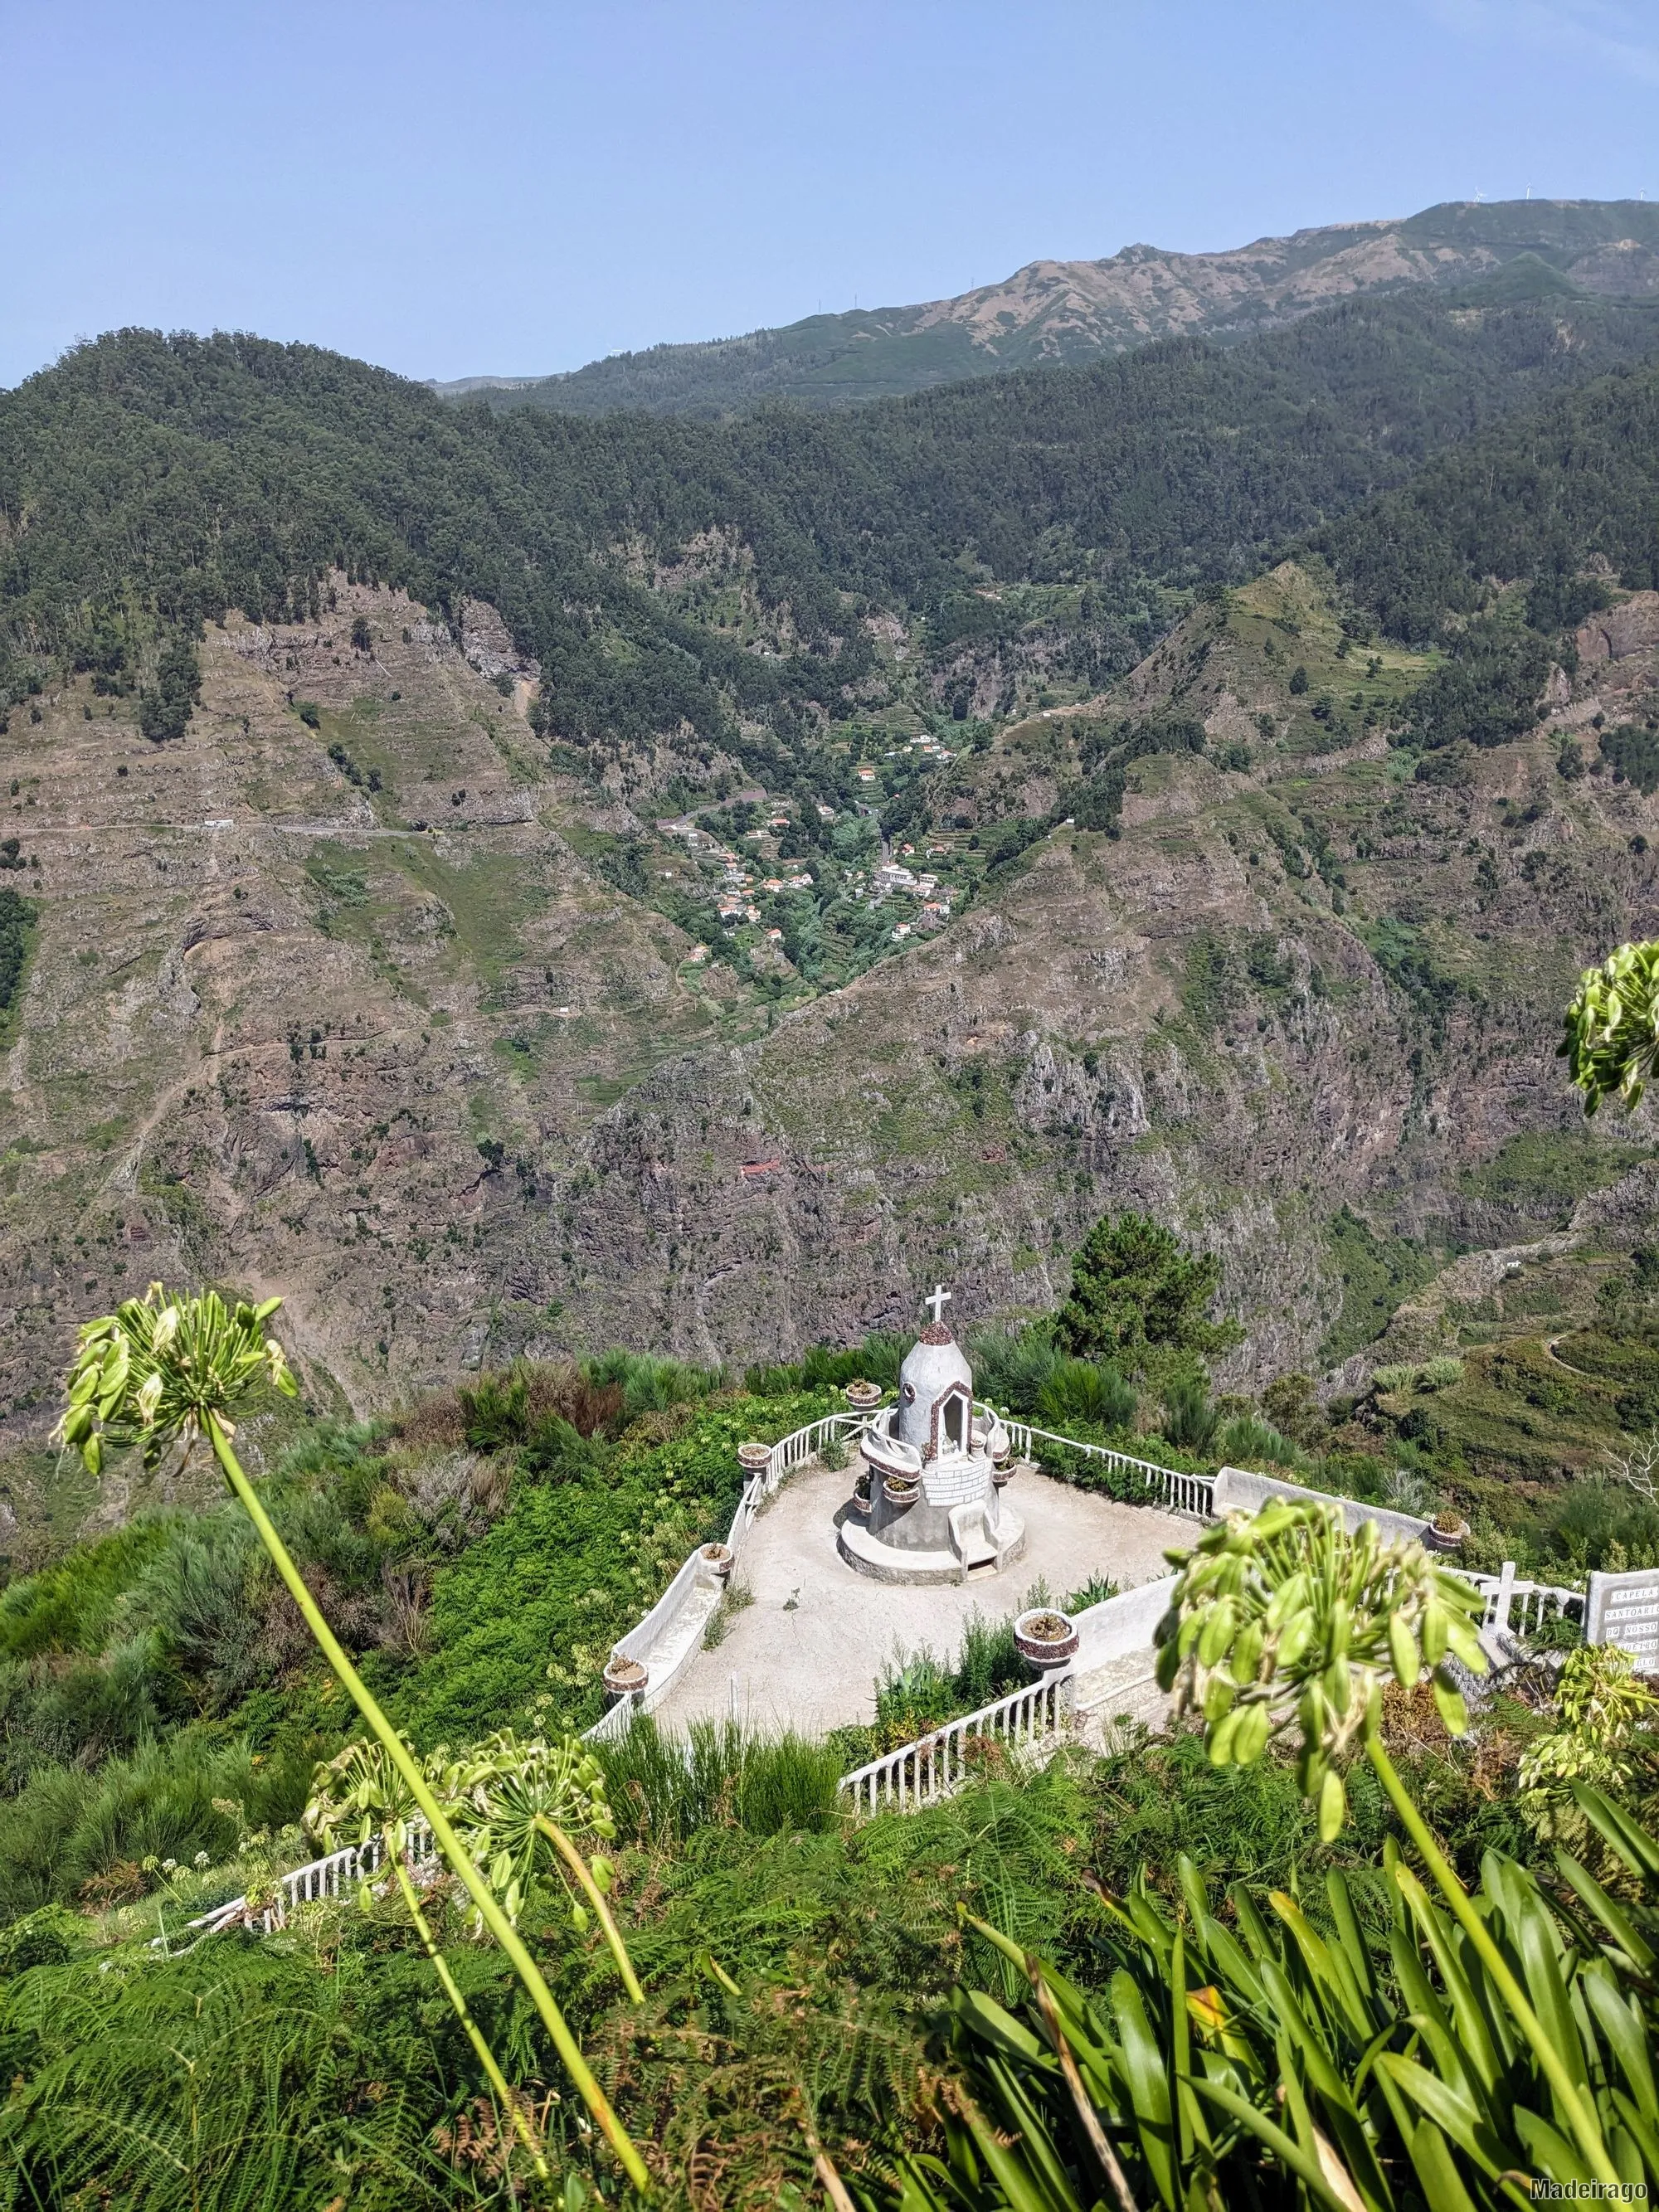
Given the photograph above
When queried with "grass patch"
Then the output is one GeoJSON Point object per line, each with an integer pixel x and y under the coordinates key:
{"type": "Point", "coordinates": [1540, 1175]}
{"type": "Point", "coordinates": [1516, 1413]}
{"type": "Point", "coordinates": [1377, 1272]}
{"type": "Point", "coordinates": [664, 1788]}
{"type": "Point", "coordinates": [487, 900]}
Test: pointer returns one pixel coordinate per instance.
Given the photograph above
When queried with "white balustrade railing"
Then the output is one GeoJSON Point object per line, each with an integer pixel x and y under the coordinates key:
{"type": "Point", "coordinates": [922, 1772]}
{"type": "Point", "coordinates": [802, 1444]}
{"type": "Point", "coordinates": [1520, 1607]}
{"type": "Point", "coordinates": [1163, 1485]}
{"type": "Point", "coordinates": [1178, 1492]}
{"type": "Point", "coordinates": [332, 1876]}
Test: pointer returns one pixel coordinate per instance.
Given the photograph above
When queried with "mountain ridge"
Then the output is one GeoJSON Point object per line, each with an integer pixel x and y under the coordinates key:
{"type": "Point", "coordinates": [1057, 311]}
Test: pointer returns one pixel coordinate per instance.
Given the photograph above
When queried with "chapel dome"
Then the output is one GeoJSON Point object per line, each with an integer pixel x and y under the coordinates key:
{"type": "Point", "coordinates": [934, 1368]}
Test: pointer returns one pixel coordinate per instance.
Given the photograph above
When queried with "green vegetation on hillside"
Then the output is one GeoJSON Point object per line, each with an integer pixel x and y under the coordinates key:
{"type": "Point", "coordinates": [1530, 504]}
{"type": "Point", "coordinates": [167, 480]}
{"type": "Point", "coordinates": [165, 1708]}
{"type": "Point", "coordinates": [17, 917]}
{"type": "Point", "coordinates": [1377, 1272]}
{"type": "Point", "coordinates": [810, 1989]}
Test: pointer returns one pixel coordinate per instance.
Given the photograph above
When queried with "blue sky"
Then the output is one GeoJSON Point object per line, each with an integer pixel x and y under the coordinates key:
{"type": "Point", "coordinates": [512, 187]}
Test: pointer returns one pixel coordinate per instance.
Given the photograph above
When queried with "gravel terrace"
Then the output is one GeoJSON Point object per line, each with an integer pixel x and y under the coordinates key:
{"type": "Point", "coordinates": [804, 1655]}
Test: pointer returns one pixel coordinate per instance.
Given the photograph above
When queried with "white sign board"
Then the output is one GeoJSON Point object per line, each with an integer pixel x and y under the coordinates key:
{"type": "Point", "coordinates": [1624, 1609]}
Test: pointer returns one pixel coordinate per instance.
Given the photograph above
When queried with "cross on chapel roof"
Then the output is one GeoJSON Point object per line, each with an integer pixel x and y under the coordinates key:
{"type": "Point", "coordinates": [938, 1302]}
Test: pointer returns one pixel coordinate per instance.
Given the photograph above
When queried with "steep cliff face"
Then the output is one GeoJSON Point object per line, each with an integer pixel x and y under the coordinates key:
{"type": "Point", "coordinates": [273, 1031]}
{"type": "Point", "coordinates": [456, 1096]}
{"type": "Point", "coordinates": [1298, 1008]}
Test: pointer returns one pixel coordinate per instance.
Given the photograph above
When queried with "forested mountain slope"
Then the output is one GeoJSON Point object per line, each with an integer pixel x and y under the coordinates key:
{"type": "Point", "coordinates": [1053, 312]}
{"type": "Point", "coordinates": [354, 952]}
{"type": "Point", "coordinates": [714, 583]}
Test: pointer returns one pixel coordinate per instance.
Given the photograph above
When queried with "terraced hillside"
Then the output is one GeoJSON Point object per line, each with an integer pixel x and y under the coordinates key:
{"type": "Point", "coordinates": [1299, 1002]}
{"type": "Point", "coordinates": [642, 962]}
{"type": "Point", "coordinates": [273, 1031]}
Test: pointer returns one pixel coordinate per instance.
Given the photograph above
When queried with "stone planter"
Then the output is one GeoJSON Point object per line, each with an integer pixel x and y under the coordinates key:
{"type": "Point", "coordinates": [754, 1459]}
{"type": "Point", "coordinates": [1436, 1539]}
{"type": "Point", "coordinates": [1002, 1473]}
{"type": "Point", "coordinates": [863, 1397]}
{"type": "Point", "coordinates": [860, 1501]}
{"type": "Point", "coordinates": [900, 1490]}
{"type": "Point", "coordinates": [719, 1556]}
{"type": "Point", "coordinates": [1045, 1638]}
{"type": "Point", "coordinates": [624, 1678]}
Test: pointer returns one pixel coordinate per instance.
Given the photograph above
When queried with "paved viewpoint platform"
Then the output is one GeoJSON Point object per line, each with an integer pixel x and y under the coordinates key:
{"type": "Point", "coordinates": [806, 1652]}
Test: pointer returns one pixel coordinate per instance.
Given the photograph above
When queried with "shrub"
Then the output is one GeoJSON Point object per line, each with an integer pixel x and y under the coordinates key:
{"type": "Point", "coordinates": [877, 1359]}
{"type": "Point", "coordinates": [649, 1384]}
{"type": "Point", "coordinates": [988, 1665]}
{"type": "Point", "coordinates": [1406, 1491]}
{"type": "Point", "coordinates": [506, 1407]}
{"type": "Point", "coordinates": [1078, 1394]}
{"type": "Point", "coordinates": [496, 1410]}
{"type": "Point", "coordinates": [1012, 1370]}
{"type": "Point", "coordinates": [69, 1606]}
{"type": "Point", "coordinates": [1400, 1375]}
{"type": "Point", "coordinates": [1095, 1591]}
{"type": "Point", "coordinates": [666, 1788]}
{"type": "Point", "coordinates": [67, 1827]}
{"type": "Point", "coordinates": [1245, 1439]}
{"type": "Point", "coordinates": [1290, 1404]}
{"type": "Point", "coordinates": [1190, 1417]}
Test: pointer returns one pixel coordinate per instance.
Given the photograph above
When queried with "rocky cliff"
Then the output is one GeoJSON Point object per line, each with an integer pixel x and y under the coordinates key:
{"type": "Point", "coordinates": [326, 1000]}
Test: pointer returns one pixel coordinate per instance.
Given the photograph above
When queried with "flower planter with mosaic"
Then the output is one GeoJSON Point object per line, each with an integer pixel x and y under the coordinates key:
{"type": "Point", "coordinates": [1445, 1532]}
{"type": "Point", "coordinates": [754, 1459]}
{"type": "Point", "coordinates": [863, 1397]}
{"type": "Point", "coordinates": [719, 1559]}
{"type": "Point", "coordinates": [624, 1679]}
{"type": "Point", "coordinates": [1045, 1639]}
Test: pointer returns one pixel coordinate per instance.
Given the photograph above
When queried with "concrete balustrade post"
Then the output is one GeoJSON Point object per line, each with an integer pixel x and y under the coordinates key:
{"type": "Point", "coordinates": [1503, 1597]}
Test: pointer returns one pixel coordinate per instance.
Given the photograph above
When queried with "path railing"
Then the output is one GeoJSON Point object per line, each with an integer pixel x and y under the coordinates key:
{"type": "Point", "coordinates": [802, 1444]}
{"type": "Point", "coordinates": [1520, 1607]}
{"type": "Point", "coordinates": [922, 1772]}
{"type": "Point", "coordinates": [340, 1871]}
{"type": "Point", "coordinates": [790, 1452]}
{"type": "Point", "coordinates": [1180, 1493]}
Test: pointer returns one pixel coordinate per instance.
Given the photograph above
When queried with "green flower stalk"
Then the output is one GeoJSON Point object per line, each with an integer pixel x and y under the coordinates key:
{"type": "Point", "coordinates": [360, 1794]}
{"type": "Point", "coordinates": [1292, 1621]}
{"type": "Point", "coordinates": [1288, 1621]}
{"type": "Point", "coordinates": [515, 1800]}
{"type": "Point", "coordinates": [165, 1366]}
